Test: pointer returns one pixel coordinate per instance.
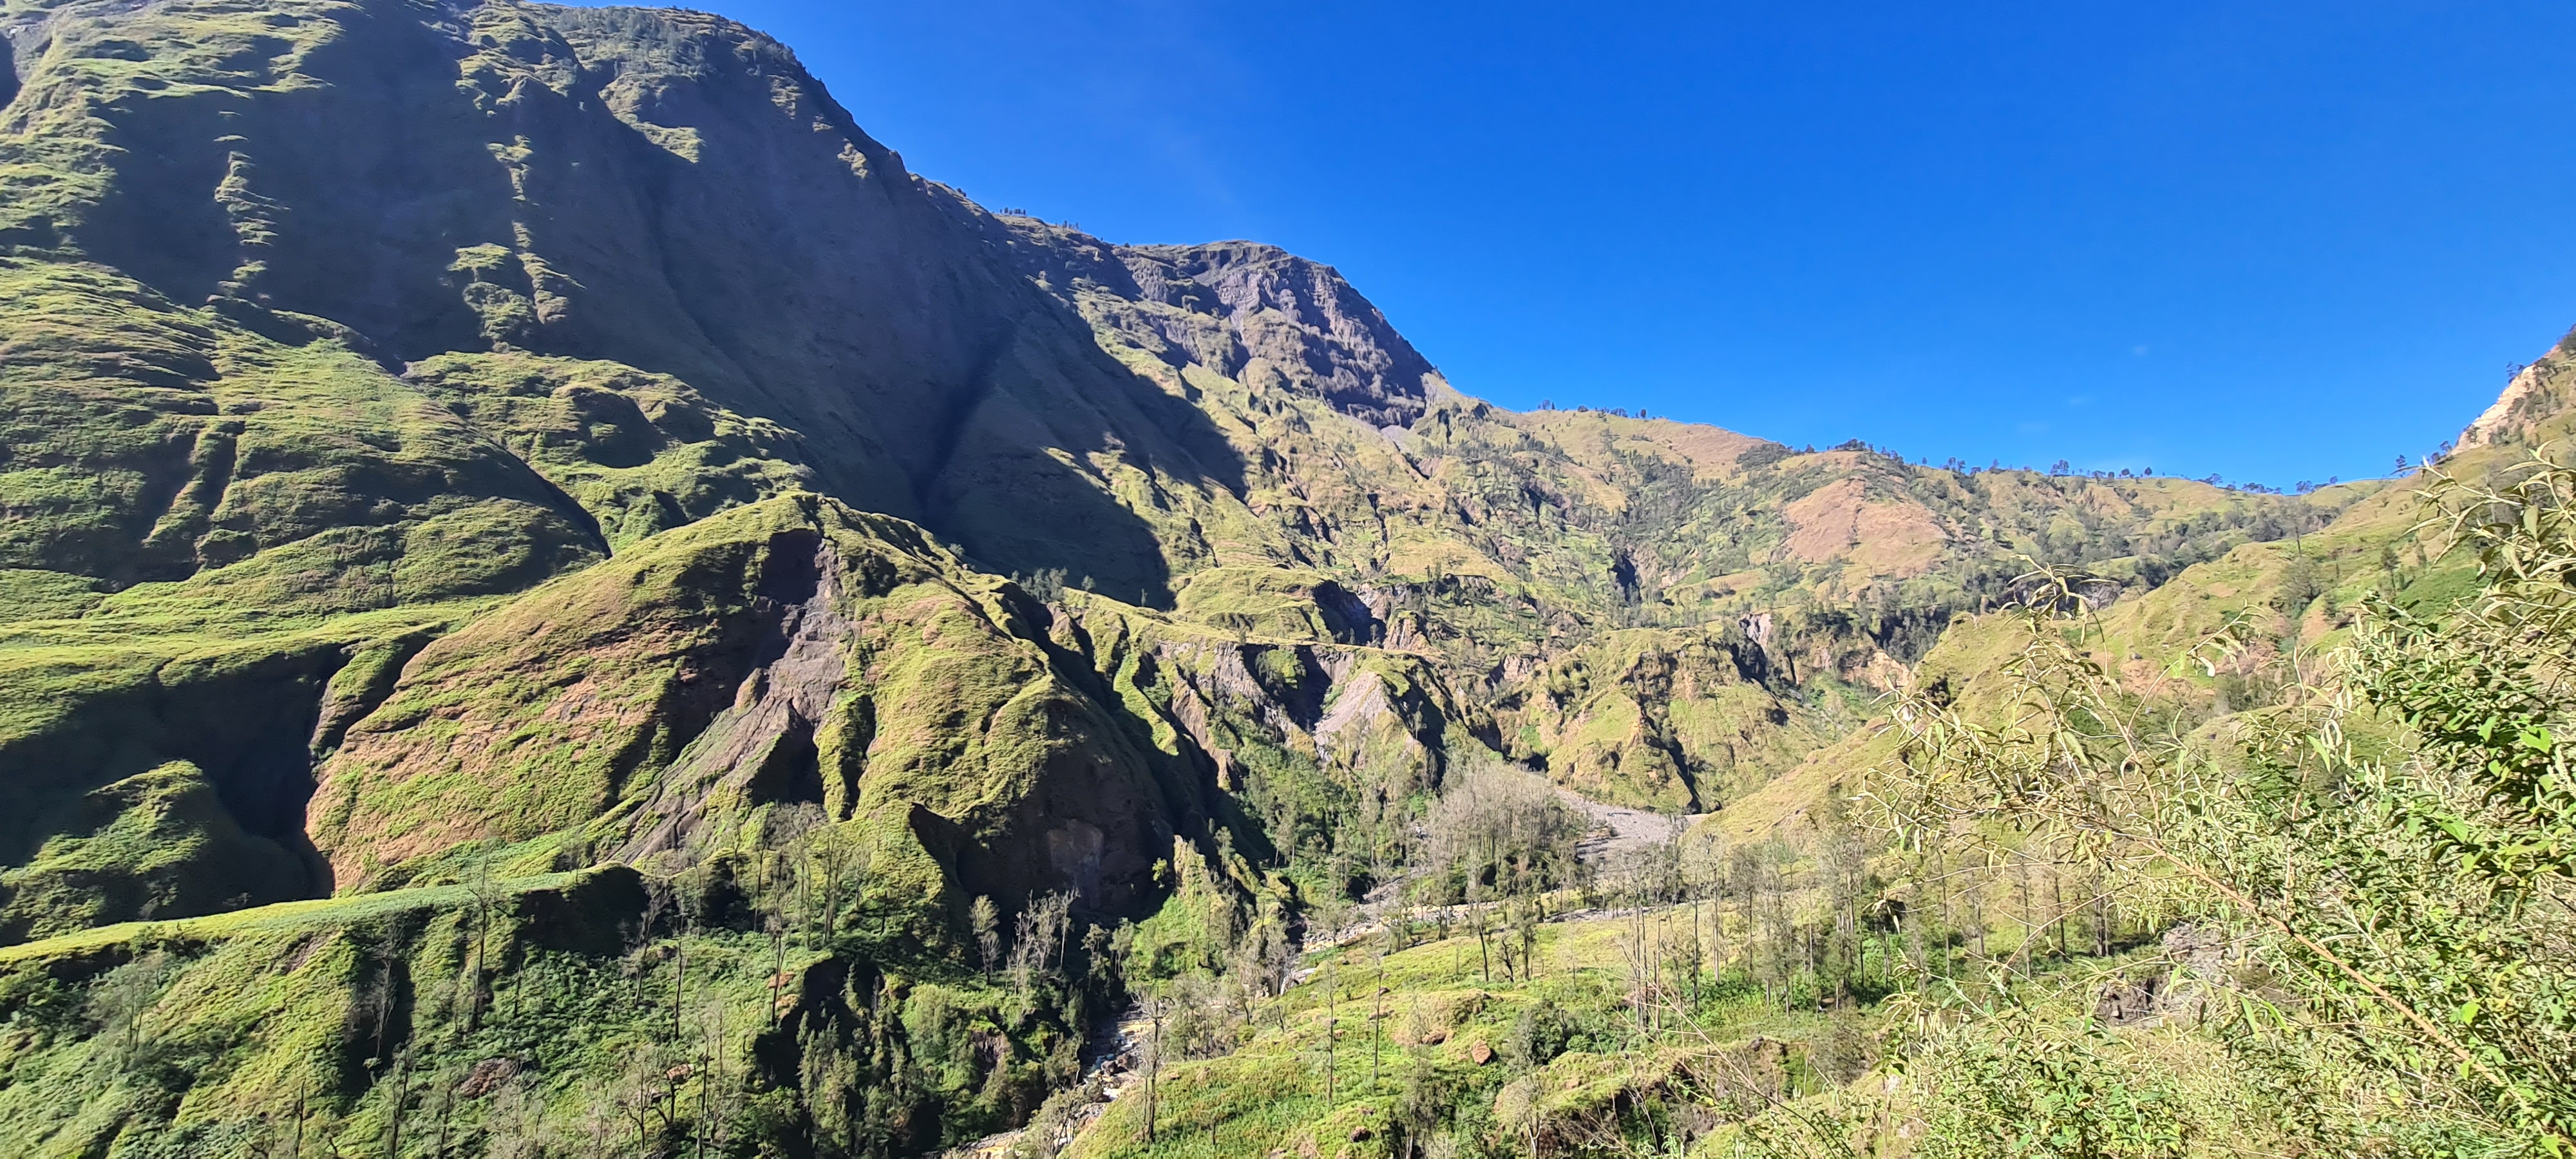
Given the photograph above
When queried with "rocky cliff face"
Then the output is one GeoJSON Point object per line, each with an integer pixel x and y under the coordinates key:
{"type": "Point", "coordinates": [2537, 393]}
{"type": "Point", "coordinates": [1223, 307]}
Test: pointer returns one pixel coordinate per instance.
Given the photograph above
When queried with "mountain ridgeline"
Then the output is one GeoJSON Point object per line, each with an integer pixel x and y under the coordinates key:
{"type": "Point", "coordinates": [490, 489]}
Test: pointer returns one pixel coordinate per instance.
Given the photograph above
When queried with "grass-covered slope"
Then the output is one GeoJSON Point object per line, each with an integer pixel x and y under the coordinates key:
{"type": "Point", "coordinates": [665, 190]}
{"type": "Point", "coordinates": [540, 1015]}
{"type": "Point", "coordinates": [204, 526]}
{"type": "Point", "coordinates": [829, 745]}
{"type": "Point", "coordinates": [798, 657]}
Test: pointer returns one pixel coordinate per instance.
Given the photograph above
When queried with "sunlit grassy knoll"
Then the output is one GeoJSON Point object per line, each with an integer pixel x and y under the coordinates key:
{"type": "Point", "coordinates": [314, 914]}
{"type": "Point", "coordinates": [1426, 1013]}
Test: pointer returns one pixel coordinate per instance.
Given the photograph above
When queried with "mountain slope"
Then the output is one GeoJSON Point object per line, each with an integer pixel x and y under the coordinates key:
{"type": "Point", "coordinates": [559, 297]}
{"type": "Point", "coordinates": [666, 190]}
{"type": "Point", "coordinates": [448, 440]}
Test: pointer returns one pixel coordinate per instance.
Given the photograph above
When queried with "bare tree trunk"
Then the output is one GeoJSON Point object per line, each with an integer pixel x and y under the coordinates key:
{"type": "Point", "coordinates": [1332, 996]}
{"type": "Point", "coordinates": [1154, 1069]}
{"type": "Point", "coordinates": [2101, 917]}
{"type": "Point", "coordinates": [2056, 900]}
{"type": "Point", "coordinates": [2029, 928]}
{"type": "Point", "coordinates": [1377, 1019]}
{"type": "Point", "coordinates": [446, 1105]}
{"type": "Point", "coordinates": [402, 1084]}
{"type": "Point", "coordinates": [1699, 952]}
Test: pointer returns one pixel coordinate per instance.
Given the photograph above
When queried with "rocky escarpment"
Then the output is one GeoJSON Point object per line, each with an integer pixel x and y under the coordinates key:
{"type": "Point", "coordinates": [1296, 315]}
{"type": "Point", "coordinates": [2536, 393]}
{"type": "Point", "coordinates": [1229, 306]}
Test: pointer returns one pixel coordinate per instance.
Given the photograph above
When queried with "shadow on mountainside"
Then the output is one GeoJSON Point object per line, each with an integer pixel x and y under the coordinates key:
{"type": "Point", "coordinates": [670, 192]}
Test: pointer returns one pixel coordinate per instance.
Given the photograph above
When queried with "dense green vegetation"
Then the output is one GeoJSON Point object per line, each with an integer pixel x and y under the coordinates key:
{"type": "Point", "coordinates": [2380, 844]}
{"type": "Point", "coordinates": [554, 600]}
{"type": "Point", "coordinates": [2318, 907]}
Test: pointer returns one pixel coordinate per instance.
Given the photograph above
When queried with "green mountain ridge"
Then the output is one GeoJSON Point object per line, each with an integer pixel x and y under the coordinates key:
{"type": "Point", "coordinates": [447, 440]}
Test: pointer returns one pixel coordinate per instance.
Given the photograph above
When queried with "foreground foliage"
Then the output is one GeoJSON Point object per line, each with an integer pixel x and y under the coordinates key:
{"type": "Point", "coordinates": [2384, 853]}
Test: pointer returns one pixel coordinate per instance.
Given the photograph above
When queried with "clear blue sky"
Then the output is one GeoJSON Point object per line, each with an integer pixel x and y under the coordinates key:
{"type": "Point", "coordinates": [2279, 241]}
